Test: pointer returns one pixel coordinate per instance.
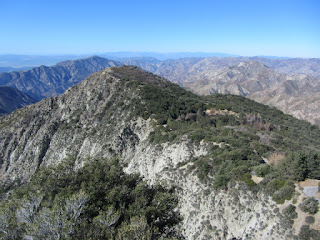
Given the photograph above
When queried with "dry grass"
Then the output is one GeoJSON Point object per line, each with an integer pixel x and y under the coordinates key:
{"type": "Point", "coordinates": [309, 183]}
{"type": "Point", "coordinates": [275, 158]}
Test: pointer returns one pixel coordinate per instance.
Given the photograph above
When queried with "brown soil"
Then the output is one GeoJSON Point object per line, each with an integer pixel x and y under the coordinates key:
{"type": "Point", "coordinates": [309, 183]}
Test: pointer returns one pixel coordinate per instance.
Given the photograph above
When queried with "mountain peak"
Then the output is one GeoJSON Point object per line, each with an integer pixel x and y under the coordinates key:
{"type": "Point", "coordinates": [96, 60]}
{"type": "Point", "coordinates": [136, 74]}
{"type": "Point", "coordinates": [252, 65]}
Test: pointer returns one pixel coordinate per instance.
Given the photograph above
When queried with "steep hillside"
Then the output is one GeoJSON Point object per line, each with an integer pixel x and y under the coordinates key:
{"type": "Point", "coordinates": [12, 99]}
{"type": "Point", "coordinates": [295, 95]}
{"type": "Point", "coordinates": [211, 149]}
{"type": "Point", "coordinates": [43, 81]}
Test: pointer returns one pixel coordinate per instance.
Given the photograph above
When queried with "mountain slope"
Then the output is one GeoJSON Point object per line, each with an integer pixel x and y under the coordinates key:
{"type": "Point", "coordinates": [206, 147]}
{"type": "Point", "coordinates": [293, 66]}
{"type": "Point", "coordinates": [12, 99]}
{"type": "Point", "coordinates": [296, 95]}
{"type": "Point", "coordinates": [206, 75]}
{"type": "Point", "coordinates": [43, 81]}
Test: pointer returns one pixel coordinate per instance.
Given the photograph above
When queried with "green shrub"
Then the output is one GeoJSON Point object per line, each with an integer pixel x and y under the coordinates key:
{"type": "Point", "coordinates": [309, 219]}
{"type": "Point", "coordinates": [290, 212]}
{"type": "Point", "coordinates": [262, 170]}
{"type": "Point", "coordinates": [310, 205]}
{"type": "Point", "coordinates": [95, 202]}
{"type": "Point", "coordinates": [307, 234]}
{"type": "Point", "coordinates": [284, 193]}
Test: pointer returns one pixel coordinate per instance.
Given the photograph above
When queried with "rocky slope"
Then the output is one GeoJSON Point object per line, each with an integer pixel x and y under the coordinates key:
{"type": "Point", "coordinates": [43, 81]}
{"type": "Point", "coordinates": [301, 103]}
{"type": "Point", "coordinates": [168, 135]}
{"type": "Point", "coordinates": [297, 95]}
{"type": "Point", "coordinates": [12, 99]}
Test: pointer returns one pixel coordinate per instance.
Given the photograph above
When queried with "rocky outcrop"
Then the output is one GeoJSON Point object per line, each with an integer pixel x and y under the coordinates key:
{"type": "Point", "coordinates": [208, 213]}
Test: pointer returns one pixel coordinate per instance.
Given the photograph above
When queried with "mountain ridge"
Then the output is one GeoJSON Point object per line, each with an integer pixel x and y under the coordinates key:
{"type": "Point", "coordinates": [43, 81]}
{"type": "Point", "coordinates": [170, 135]}
{"type": "Point", "coordinates": [293, 94]}
{"type": "Point", "coordinates": [51, 81]}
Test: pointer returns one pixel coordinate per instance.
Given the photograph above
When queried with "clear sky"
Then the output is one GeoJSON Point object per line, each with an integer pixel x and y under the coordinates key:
{"type": "Point", "coordinates": [259, 27]}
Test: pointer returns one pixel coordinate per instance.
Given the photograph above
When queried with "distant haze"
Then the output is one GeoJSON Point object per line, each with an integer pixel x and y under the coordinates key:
{"type": "Point", "coordinates": [10, 62]}
{"type": "Point", "coordinates": [18, 61]}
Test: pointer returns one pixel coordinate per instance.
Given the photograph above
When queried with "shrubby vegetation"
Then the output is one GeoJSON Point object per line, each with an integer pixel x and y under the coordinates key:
{"type": "Point", "coordinates": [248, 131]}
{"type": "Point", "coordinates": [98, 201]}
{"type": "Point", "coordinates": [310, 205]}
{"type": "Point", "coordinates": [308, 234]}
{"type": "Point", "coordinates": [309, 219]}
{"type": "Point", "coordinates": [290, 212]}
{"type": "Point", "coordinates": [245, 130]}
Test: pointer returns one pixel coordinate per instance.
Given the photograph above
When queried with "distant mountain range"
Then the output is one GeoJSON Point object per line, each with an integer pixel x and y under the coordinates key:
{"type": "Point", "coordinates": [291, 85]}
{"type": "Point", "coordinates": [298, 95]}
{"type": "Point", "coordinates": [185, 69]}
{"type": "Point", "coordinates": [163, 56]}
{"type": "Point", "coordinates": [43, 81]}
{"type": "Point", "coordinates": [27, 61]}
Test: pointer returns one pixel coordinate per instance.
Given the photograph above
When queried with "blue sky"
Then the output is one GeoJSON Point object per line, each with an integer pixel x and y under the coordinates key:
{"type": "Point", "coordinates": [248, 28]}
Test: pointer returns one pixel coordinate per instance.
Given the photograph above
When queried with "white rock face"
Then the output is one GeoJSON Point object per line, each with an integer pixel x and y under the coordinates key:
{"type": "Point", "coordinates": [207, 214]}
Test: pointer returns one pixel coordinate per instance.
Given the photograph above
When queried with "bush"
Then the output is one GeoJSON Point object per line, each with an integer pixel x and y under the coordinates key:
{"type": "Point", "coordinates": [306, 233]}
{"type": "Point", "coordinates": [284, 193]}
{"type": "Point", "coordinates": [310, 205]}
{"type": "Point", "coordinates": [290, 212]}
{"type": "Point", "coordinates": [262, 170]}
{"type": "Point", "coordinates": [309, 219]}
